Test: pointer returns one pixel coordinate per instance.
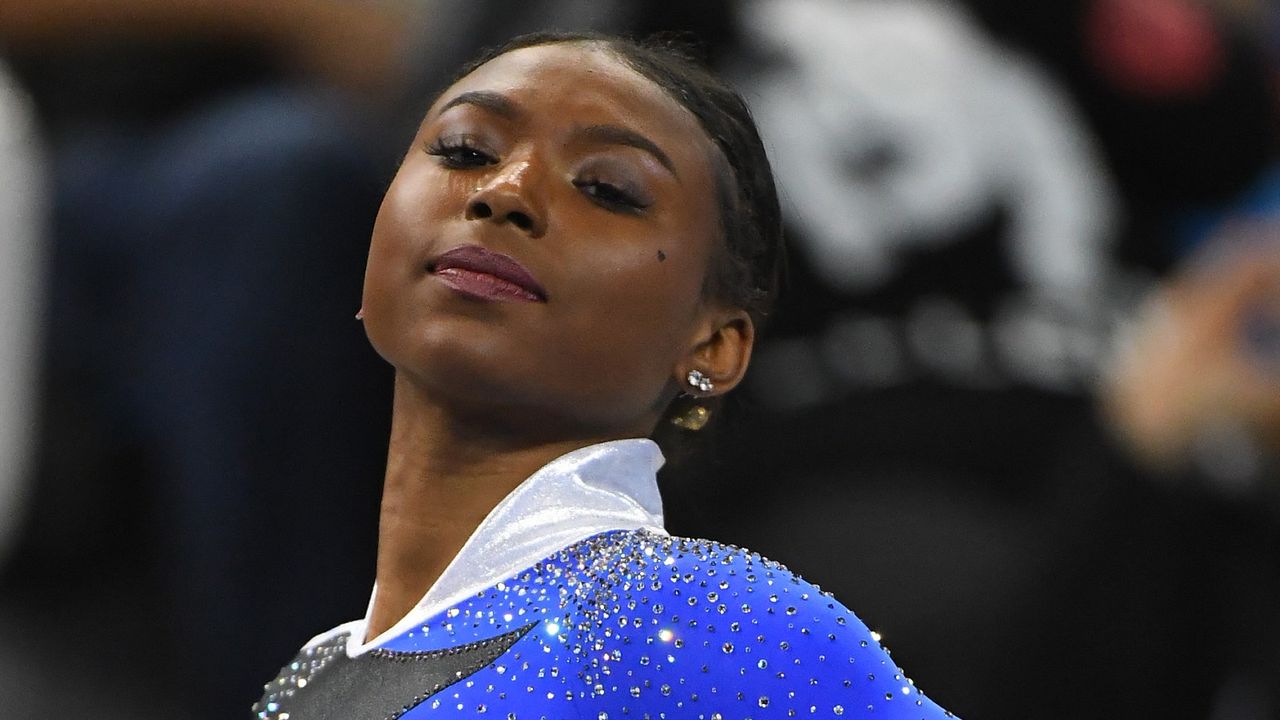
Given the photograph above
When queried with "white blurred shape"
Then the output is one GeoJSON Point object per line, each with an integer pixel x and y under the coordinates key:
{"type": "Point", "coordinates": [897, 123]}
{"type": "Point", "coordinates": [22, 206]}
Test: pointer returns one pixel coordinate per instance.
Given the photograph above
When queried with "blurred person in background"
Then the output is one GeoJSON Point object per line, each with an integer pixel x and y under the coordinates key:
{"type": "Point", "coordinates": [207, 180]}
{"type": "Point", "coordinates": [1195, 386]}
{"type": "Point", "coordinates": [1192, 396]}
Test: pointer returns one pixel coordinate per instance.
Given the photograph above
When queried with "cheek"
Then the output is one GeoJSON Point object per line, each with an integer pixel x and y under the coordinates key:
{"type": "Point", "coordinates": [638, 310]}
{"type": "Point", "coordinates": [382, 314]}
{"type": "Point", "coordinates": [398, 251]}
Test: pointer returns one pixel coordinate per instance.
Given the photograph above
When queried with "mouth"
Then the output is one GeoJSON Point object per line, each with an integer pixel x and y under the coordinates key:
{"type": "Point", "coordinates": [486, 275]}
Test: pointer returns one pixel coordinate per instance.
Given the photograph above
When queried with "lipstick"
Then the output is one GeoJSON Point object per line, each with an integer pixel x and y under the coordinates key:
{"type": "Point", "coordinates": [483, 274]}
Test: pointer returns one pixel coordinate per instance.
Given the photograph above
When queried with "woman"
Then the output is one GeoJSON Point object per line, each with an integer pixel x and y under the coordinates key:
{"type": "Point", "coordinates": [575, 251]}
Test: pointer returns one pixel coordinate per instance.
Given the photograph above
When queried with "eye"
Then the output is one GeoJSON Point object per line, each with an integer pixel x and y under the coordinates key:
{"type": "Point", "coordinates": [459, 153]}
{"type": "Point", "coordinates": [610, 196]}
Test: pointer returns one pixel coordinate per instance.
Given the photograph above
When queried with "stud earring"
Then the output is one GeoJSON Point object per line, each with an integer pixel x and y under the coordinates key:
{"type": "Point", "coordinates": [697, 379]}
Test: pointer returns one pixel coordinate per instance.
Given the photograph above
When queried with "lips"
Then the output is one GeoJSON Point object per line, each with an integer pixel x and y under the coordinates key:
{"type": "Point", "coordinates": [486, 275]}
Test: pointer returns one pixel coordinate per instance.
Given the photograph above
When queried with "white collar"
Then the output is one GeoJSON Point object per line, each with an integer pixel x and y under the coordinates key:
{"type": "Point", "coordinates": [608, 486]}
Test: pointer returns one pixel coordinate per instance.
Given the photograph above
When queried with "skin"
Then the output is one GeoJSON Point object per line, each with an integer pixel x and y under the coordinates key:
{"type": "Point", "coordinates": [1188, 365]}
{"type": "Point", "coordinates": [488, 392]}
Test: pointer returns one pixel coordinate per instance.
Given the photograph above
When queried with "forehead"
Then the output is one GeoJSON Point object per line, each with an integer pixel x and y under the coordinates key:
{"type": "Point", "coordinates": [583, 83]}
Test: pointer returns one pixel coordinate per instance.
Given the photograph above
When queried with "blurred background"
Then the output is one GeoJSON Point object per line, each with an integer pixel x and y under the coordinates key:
{"type": "Point", "coordinates": [1020, 408]}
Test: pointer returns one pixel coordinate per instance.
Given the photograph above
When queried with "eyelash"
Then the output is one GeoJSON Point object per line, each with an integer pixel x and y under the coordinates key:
{"type": "Point", "coordinates": [610, 196]}
{"type": "Point", "coordinates": [461, 154]}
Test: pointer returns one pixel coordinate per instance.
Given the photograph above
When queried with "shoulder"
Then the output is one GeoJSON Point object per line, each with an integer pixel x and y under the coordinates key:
{"type": "Point", "coordinates": [704, 577]}
{"type": "Point", "coordinates": [703, 583]}
{"type": "Point", "coordinates": [683, 621]}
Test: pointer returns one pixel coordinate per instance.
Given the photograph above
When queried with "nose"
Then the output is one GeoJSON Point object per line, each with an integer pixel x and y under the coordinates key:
{"type": "Point", "coordinates": [509, 197]}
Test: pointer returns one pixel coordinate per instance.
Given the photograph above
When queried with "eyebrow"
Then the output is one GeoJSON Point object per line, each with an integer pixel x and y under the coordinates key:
{"type": "Point", "coordinates": [495, 103]}
{"type": "Point", "coordinates": [501, 105]}
{"type": "Point", "coordinates": [614, 135]}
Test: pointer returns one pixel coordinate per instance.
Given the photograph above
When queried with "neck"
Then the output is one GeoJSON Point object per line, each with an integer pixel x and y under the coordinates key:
{"type": "Point", "coordinates": [444, 475]}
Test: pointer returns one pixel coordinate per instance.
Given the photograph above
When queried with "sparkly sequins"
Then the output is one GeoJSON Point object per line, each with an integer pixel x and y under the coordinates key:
{"type": "Point", "coordinates": [380, 684]}
{"type": "Point", "coordinates": [297, 675]}
{"type": "Point", "coordinates": [636, 624]}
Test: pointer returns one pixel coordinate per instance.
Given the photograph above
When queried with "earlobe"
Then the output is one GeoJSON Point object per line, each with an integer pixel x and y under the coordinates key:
{"type": "Point", "coordinates": [718, 360]}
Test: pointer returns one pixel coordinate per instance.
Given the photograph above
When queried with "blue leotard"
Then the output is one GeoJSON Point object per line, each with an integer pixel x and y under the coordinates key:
{"type": "Point", "coordinates": [627, 623]}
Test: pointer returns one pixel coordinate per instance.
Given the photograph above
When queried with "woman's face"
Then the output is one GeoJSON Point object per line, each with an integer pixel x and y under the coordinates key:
{"type": "Point", "coordinates": [540, 255]}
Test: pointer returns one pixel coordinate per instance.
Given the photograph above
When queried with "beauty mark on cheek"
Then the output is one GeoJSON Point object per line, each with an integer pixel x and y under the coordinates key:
{"type": "Point", "coordinates": [661, 256]}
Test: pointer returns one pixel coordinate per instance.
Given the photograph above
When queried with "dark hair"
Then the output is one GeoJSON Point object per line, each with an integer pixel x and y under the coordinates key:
{"type": "Point", "coordinates": [746, 269]}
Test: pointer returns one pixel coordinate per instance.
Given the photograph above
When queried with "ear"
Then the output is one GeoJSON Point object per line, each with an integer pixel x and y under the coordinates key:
{"type": "Point", "coordinates": [721, 351]}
